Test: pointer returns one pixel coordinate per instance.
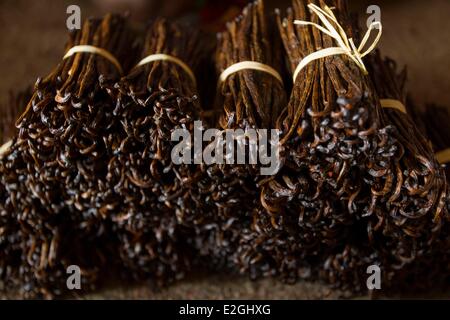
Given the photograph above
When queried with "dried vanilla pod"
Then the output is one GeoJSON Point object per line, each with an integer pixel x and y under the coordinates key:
{"type": "Point", "coordinates": [152, 194]}
{"type": "Point", "coordinates": [54, 174]}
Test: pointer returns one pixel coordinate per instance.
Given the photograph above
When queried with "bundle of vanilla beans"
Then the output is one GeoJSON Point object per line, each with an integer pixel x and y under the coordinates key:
{"type": "Point", "coordinates": [10, 111]}
{"type": "Point", "coordinates": [409, 221]}
{"type": "Point", "coordinates": [151, 195]}
{"type": "Point", "coordinates": [377, 196]}
{"type": "Point", "coordinates": [88, 177]}
{"type": "Point", "coordinates": [331, 126]}
{"type": "Point", "coordinates": [53, 175]}
{"type": "Point", "coordinates": [405, 217]}
{"type": "Point", "coordinates": [245, 100]}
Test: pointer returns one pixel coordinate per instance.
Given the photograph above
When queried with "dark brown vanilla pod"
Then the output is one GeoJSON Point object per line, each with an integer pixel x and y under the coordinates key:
{"type": "Point", "coordinates": [54, 174]}
{"type": "Point", "coordinates": [407, 218]}
{"type": "Point", "coordinates": [151, 193]}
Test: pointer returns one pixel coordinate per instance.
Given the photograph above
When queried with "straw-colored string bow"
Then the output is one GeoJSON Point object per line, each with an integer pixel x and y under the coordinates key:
{"type": "Point", "coordinates": [345, 45]}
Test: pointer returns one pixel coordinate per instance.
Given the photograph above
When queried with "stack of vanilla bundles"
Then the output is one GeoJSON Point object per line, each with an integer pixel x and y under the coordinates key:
{"type": "Point", "coordinates": [88, 177]}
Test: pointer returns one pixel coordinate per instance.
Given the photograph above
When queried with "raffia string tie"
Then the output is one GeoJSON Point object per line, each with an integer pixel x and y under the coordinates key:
{"type": "Point", "coordinates": [249, 65]}
{"type": "Point", "coordinates": [169, 58]}
{"type": "Point", "coordinates": [95, 50]}
{"type": "Point", "coordinates": [345, 45]}
{"type": "Point", "coordinates": [393, 104]}
{"type": "Point", "coordinates": [443, 156]}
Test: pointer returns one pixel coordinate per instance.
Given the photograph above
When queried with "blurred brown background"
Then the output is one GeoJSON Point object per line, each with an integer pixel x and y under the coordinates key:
{"type": "Point", "coordinates": [416, 34]}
